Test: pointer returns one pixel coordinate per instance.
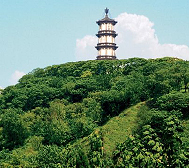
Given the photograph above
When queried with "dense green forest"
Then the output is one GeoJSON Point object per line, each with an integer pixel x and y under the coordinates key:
{"type": "Point", "coordinates": [118, 113]}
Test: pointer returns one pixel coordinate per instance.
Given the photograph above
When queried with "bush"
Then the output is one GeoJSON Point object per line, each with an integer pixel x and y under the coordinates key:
{"type": "Point", "coordinates": [13, 131]}
{"type": "Point", "coordinates": [174, 101]}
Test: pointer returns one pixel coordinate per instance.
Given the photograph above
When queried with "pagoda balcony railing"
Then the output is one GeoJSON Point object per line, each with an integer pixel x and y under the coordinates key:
{"type": "Point", "coordinates": [106, 57]}
{"type": "Point", "coordinates": [107, 31]}
{"type": "Point", "coordinates": [105, 44]}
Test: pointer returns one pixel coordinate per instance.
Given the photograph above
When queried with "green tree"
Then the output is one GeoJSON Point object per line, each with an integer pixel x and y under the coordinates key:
{"type": "Point", "coordinates": [13, 131]}
{"type": "Point", "coordinates": [174, 101]}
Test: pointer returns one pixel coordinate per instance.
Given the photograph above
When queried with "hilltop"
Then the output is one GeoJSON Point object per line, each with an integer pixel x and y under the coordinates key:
{"type": "Point", "coordinates": [115, 113]}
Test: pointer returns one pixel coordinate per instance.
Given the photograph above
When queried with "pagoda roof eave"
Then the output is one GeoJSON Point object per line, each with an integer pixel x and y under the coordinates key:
{"type": "Point", "coordinates": [106, 20]}
{"type": "Point", "coordinates": [99, 22]}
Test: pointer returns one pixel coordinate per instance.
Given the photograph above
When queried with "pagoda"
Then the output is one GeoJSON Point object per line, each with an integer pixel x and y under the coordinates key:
{"type": "Point", "coordinates": [106, 38]}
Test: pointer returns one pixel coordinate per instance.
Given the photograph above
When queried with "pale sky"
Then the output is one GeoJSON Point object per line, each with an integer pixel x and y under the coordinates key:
{"type": "Point", "coordinates": [39, 33]}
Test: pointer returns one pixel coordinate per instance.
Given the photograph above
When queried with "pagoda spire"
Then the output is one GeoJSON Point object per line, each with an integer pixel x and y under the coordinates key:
{"type": "Point", "coordinates": [106, 11]}
{"type": "Point", "coordinates": [106, 38]}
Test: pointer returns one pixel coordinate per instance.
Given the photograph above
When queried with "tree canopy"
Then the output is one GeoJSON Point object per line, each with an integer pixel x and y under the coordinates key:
{"type": "Point", "coordinates": [53, 116]}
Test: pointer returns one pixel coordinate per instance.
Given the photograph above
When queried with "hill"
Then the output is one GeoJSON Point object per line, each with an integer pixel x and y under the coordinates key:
{"type": "Point", "coordinates": [117, 113]}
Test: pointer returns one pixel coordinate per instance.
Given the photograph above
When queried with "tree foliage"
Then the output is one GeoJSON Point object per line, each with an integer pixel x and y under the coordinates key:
{"type": "Point", "coordinates": [44, 116]}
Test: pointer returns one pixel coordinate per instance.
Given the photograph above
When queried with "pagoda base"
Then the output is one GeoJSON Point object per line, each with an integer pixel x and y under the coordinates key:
{"type": "Point", "coordinates": [106, 57]}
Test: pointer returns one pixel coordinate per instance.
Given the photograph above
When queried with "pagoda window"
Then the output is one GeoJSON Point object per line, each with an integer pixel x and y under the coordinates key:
{"type": "Point", "coordinates": [103, 26]}
{"type": "Point", "coordinates": [109, 39]}
{"type": "Point", "coordinates": [103, 51]}
{"type": "Point", "coordinates": [109, 26]}
{"type": "Point", "coordinates": [113, 53]}
{"type": "Point", "coordinates": [100, 40]}
{"type": "Point", "coordinates": [103, 39]}
{"type": "Point", "coordinates": [109, 52]}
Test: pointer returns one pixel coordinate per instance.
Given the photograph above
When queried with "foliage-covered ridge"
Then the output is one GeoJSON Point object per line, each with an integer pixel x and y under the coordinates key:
{"type": "Point", "coordinates": [120, 113]}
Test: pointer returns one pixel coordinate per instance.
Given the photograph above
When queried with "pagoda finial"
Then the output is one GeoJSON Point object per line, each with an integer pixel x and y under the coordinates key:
{"type": "Point", "coordinates": [106, 11]}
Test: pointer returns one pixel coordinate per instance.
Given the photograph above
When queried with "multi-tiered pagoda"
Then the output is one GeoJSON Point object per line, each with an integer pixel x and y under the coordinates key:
{"type": "Point", "coordinates": [106, 38]}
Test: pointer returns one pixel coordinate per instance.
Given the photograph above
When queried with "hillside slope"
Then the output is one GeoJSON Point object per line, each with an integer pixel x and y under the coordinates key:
{"type": "Point", "coordinates": [96, 114]}
{"type": "Point", "coordinates": [118, 128]}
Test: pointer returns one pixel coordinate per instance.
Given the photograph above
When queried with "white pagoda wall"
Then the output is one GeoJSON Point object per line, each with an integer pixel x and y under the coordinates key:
{"type": "Point", "coordinates": [106, 51]}
{"type": "Point", "coordinates": [103, 26]}
{"type": "Point", "coordinates": [106, 39]}
{"type": "Point", "coordinates": [110, 39]}
{"type": "Point", "coordinates": [110, 26]}
{"type": "Point", "coordinates": [109, 51]}
{"type": "Point", "coordinates": [102, 39]}
{"type": "Point", "coordinates": [106, 26]}
{"type": "Point", "coordinates": [102, 52]}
